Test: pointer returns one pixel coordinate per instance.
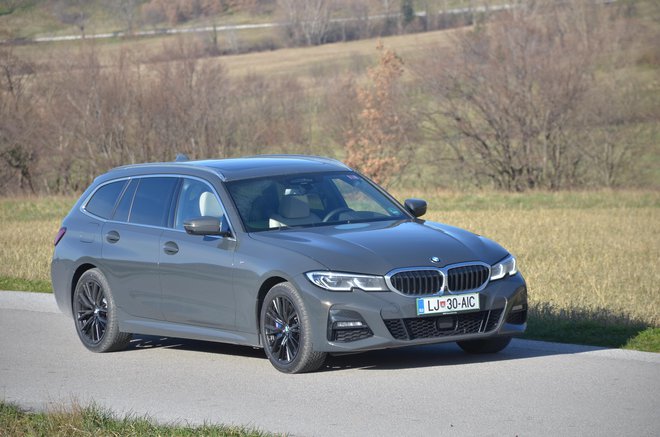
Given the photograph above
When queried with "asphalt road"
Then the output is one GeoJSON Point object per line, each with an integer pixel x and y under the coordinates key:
{"type": "Point", "coordinates": [531, 388]}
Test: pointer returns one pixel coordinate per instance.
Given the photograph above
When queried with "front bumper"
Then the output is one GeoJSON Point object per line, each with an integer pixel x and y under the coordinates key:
{"type": "Point", "coordinates": [390, 320]}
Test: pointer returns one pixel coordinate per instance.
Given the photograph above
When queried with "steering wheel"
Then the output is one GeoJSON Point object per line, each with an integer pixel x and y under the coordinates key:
{"type": "Point", "coordinates": [335, 212]}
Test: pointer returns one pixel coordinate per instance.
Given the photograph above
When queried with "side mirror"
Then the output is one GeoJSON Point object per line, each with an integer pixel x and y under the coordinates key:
{"type": "Point", "coordinates": [417, 207]}
{"type": "Point", "coordinates": [207, 226]}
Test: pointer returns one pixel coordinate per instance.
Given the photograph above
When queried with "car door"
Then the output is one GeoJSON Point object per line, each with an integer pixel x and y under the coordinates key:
{"type": "Point", "coordinates": [131, 244]}
{"type": "Point", "coordinates": [196, 271]}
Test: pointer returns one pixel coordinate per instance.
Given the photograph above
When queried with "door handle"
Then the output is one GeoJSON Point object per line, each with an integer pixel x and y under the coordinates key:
{"type": "Point", "coordinates": [112, 237]}
{"type": "Point", "coordinates": [170, 248]}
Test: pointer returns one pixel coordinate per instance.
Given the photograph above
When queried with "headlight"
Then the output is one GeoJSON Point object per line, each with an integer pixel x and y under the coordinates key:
{"type": "Point", "coordinates": [346, 282]}
{"type": "Point", "coordinates": [503, 268]}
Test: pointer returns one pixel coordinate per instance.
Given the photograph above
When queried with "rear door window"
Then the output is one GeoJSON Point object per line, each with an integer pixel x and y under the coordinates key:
{"type": "Point", "coordinates": [153, 200]}
{"type": "Point", "coordinates": [102, 203]}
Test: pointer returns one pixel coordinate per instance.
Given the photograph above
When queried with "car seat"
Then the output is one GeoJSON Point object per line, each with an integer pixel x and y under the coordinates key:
{"type": "Point", "coordinates": [209, 205]}
{"type": "Point", "coordinates": [293, 211]}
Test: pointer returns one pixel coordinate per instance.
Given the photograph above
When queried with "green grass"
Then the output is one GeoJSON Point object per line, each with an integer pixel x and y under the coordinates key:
{"type": "Point", "coordinates": [20, 284]}
{"type": "Point", "coordinates": [595, 328]}
{"type": "Point", "coordinates": [647, 340]}
{"type": "Point", "coordinates": [96, 421]}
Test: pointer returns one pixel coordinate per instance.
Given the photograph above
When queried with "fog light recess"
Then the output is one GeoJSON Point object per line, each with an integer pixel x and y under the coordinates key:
{"type": "Point", "coordinates": [346, 326]}
{"type": "Point", "coordinates": [518, 313]}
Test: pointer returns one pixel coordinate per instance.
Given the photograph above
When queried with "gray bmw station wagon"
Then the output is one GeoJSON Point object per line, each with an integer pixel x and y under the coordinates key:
{"type": "Point", "coordinates": [298, 255]}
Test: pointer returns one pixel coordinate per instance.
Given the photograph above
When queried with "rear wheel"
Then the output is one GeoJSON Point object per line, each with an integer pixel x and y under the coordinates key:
{"type": "Point", "coordinates": [484, 346]}
{"type": "Point", "coordinates": [286, 331]}
{"type": "Point", "coordinates": [95, 316]}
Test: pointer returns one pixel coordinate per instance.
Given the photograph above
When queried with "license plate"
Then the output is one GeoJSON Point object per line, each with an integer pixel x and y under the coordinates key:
{"type": "Point", "coordinates": [447, 304]}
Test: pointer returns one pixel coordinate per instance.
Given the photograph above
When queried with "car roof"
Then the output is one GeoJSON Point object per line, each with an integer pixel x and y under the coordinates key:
{"type": "Point", "coordinates": [249, 167]}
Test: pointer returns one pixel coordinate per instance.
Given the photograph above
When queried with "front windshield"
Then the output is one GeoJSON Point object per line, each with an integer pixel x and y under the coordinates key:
{"type": "Point", "coordinates": [310, 200]}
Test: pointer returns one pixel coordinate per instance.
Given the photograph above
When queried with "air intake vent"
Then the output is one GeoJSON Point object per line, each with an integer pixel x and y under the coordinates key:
{"type": "Point", "coordinates": [349, 335]}
{"type": "Point", "coordinates": [433, 327]}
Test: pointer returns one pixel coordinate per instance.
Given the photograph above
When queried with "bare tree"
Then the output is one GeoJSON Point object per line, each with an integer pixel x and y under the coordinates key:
{"type": "Point", "coordinates": [544, 97]}
{"type": "Point", "coordinates": [307, 20]}
{"type": "Point", "coordinates": [19, 123]}
{"type": "Point", "coordinates": [514, 89]}
{"type": "Point", "coordinates": [128, 11]}
{"type": "Point", "coordinates": [358, 25]}
{"type": "Point", "coordinates": [341, 117]}
{"type": "Point", "coordinates": [153, 13]}
{"type": "Point", "coordinates": [617, 126]}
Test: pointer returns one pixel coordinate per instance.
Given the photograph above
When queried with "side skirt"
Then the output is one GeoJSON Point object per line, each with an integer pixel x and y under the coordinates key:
{"type": "Point", "coordinates": [168, 329]}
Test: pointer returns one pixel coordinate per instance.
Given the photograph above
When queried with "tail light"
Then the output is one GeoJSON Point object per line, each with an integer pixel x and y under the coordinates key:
{"type": "Point", "coordinates": [59, 235]}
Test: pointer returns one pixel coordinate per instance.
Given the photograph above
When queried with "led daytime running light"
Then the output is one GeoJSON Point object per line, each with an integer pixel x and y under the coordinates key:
{"type": "Point", "coordinates": [346, 282]}
{"type": "Point", "coordinates": [506, 267]}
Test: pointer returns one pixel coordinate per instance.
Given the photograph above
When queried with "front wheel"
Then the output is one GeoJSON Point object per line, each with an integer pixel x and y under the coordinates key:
{"type": "Point", "coordinates": [484, 346]}
{"type": "Point", "coordinates": [95, 315]}
{"type": "Point", "coordinates": [286, 331]}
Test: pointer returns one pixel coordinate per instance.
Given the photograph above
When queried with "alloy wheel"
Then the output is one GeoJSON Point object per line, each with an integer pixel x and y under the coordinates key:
{"type": "Point", "coordinates": [92, 311]}
{"type": "Point", "coordinates": [282, 328]}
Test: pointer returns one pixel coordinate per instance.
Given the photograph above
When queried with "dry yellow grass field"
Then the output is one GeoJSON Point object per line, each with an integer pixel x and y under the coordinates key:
{"type": "Point", "coordinates": [579, 253]}
{"type": "Point", "coordinates": [299, 60]}
{"type": "Point", "coordinates": [602, 261]}
{"type": "Point", "coordinates": [28, 229]}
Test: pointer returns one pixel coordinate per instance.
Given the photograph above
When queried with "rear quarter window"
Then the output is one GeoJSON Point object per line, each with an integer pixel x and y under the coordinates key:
{"type": "Point", "coordinates": [103, 201]}
{"type": "Point", "coordinates": [123, 208]}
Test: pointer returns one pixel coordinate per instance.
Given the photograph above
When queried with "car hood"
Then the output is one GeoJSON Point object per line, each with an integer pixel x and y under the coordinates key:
{"type": "Point", "coordinates": [376, 248]}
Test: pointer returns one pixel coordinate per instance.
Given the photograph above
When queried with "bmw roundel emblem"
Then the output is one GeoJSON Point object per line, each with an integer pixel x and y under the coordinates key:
{"type": "Point", "coordinates": [435, 259]}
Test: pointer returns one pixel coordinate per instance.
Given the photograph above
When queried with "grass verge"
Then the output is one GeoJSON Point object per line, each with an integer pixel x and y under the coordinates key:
{"type": "Point", "coordinates": [96, 421]}
{"type": "Point", "coordinates": [20, 284]}
{"type": "Point", "coordinates": [594, 328]}
{"type": "Point", "coordinates": [647, 340]}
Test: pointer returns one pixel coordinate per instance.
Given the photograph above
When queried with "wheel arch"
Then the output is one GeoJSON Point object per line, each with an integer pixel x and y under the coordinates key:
{"type": "Point", "coordinates": [263, 290]}
{"type": "Point", "coordinates": [76, 277]}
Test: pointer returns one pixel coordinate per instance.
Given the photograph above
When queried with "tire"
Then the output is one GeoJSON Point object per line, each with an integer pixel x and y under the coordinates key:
{"type": "Point", "coordinates": [286, 331]}
{"type": "Point", "coordinates": [485, 346]}
{"type": "Point", "coordinates": [95, 316]}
